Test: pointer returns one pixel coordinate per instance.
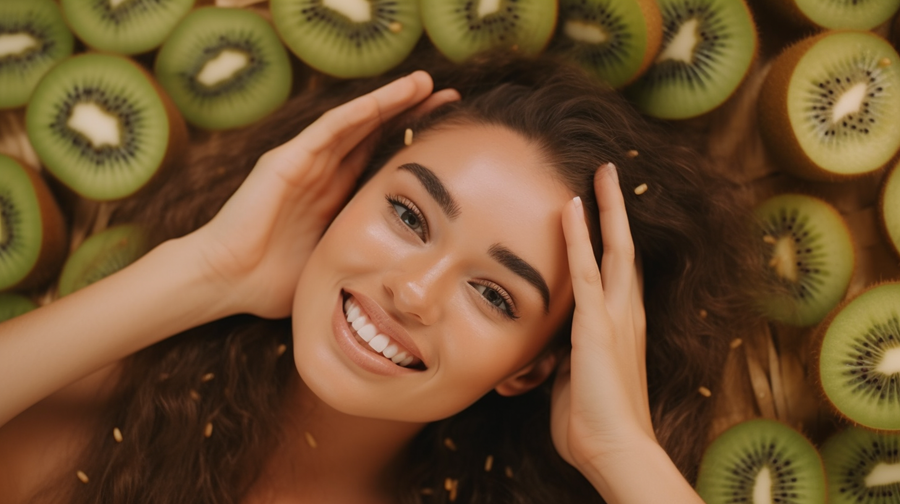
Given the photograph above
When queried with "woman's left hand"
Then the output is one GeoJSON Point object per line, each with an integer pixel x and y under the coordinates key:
{"type": "Point", "coordinates": [600, 405]}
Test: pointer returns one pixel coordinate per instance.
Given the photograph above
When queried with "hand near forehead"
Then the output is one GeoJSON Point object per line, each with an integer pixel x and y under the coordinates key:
{"type": "Point", "coordinates": [258, 243]}
{"type": "Point", "coordinates": [600, 418]}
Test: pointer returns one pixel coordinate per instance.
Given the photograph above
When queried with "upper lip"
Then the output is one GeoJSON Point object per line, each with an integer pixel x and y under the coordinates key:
{"type": "Point", "coordinates": [385, 323]}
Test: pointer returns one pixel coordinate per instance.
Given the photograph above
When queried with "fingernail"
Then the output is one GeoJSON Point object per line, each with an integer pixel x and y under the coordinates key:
{"type": "Point", "coordinates": [577, 200]}
{"type": "Point", "coordinates": [611, 170]}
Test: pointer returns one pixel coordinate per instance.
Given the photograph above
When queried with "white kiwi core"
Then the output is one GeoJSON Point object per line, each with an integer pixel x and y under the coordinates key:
{"type": "Point", "coordinates": [358, 11]}
{"type": "Point", "coordinates": [681, 47]}
{"type": "Point", "coordinates": [116, 3]}
{"type": "Point", "coordinates": [16, 43]}
{"type": "Point", "coordinates": [97, 125]}
{"type": "Point", "coordinates": [890, 362]}
{"type": "Point", "coordinates": [487, 7]}
{"type": "Point", "coordinates": [762, 487]}
{"type": "Point", "coordinates": [849, 102]}
{"type": "Point", "coordinates": [223, 67]}
{"type": "Point", "coordinates": [784, 258]}
{"type": "Point", "coordinates": [883, 474]}
{"type": "Point", "coordinates": [585, 32]}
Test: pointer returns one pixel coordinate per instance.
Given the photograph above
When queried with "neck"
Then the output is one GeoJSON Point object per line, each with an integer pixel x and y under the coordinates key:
{"type": "Point", "coordinates": [325, 455]}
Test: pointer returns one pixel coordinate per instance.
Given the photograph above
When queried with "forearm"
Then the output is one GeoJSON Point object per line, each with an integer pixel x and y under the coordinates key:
{"type": "Point", "coordinates": [640, 476]}
{"type": "Point", "coordinates": [159, 295]}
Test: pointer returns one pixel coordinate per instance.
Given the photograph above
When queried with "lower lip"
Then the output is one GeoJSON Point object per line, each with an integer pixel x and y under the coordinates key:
{"type": "Point", "coordinates": [361, 355]}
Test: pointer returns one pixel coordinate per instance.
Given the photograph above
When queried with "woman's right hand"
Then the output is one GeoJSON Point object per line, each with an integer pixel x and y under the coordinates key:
{"type": "Point", "coordinates": [256, 246]}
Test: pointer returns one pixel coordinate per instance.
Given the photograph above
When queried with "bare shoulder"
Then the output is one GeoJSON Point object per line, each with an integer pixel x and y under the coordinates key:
{"type": "Point", "coordinates": [41, 444]}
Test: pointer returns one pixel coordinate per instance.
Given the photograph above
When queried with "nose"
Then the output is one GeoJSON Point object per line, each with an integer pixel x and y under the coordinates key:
{"type": "Point", "coordinates": [420, 287]}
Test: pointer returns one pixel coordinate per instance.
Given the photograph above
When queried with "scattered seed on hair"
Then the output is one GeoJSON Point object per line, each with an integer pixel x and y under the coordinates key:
{"type": "Point", "coordinates": [194, 395]}
{"type": "Point", "coordinates": [703, 313]}
{"type": "Point", "coordinates": [408, 137]}
{"type": "Point", "coordinates": [83, 477]}
{"type": "Point", "coordinates": [453, 490]}
{"type": "Point", "coordinates": [426, 491]}
{"type": "Point", "coordinates": [632, 153]}
{"type": "Point", "coordinates": [448, 483]}
{"type": "Point", "coordinates": [509, 473]}
{"type": "Point", "coordinates": [207, 432]}
{"type": "Point", "coordinates": [641, 189]}
{"type": "Point", "coordinates": [207, 377]}
{"type": "Point", "coordinates": [450, 444]}
{"type": "Point", "coordinates": [770, 239]}
{"type": "Point", "coordinates": [395, 27]}
{"type": "Point", "coordinates": [117, 435]}
{"type": "Point", "coordinates": [705, 392]}
{"type": "Point", "coordinates": [281, 349]}
{"type": "Point", "coordinates": [310, 440]}
{"type": "Point", "coordinates": [489, 463]}
{"type": "Point", "coordinates": [736, 342]}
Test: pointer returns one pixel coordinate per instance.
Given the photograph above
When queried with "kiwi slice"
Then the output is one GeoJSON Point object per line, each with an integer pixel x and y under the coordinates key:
{"type": "Point", "coordinates": [462, 28]}
{"type": "Point", "coordinates": [707, 49]}
{"type": "Point", "coordinates": [349, 38]}
{"type": "Point", "coordinates": [810, 255]}
{"type": "Point", "coordinates": [862, 467]}
{"type": "Point", "coordinates": [616, 40]}
{"type": "Point", "coordinates": [889, 208]}
{"type": "Point", "coordinates": [102, 255]}
{"type": "Point", "coordinates": [837, 14]}
{"type": "Point", "coordinates": [32, 232]}
{"type": "Point", "coordinates": [13, 305]}
{"type": "Point", "coordinates": [124, 26]}
{"type": "Point", "coordinates": [761, 462]}
{"type": "Point", "coordinates": [33, 38]}
{"type": "Point", "coordinates": [102, 126]}
{"type": "Point", "coordinates": [859, 358]}
{"type": "Point", "coordinates": [224, 68]}
{"type": "Point", "coordinates": [830, 106]}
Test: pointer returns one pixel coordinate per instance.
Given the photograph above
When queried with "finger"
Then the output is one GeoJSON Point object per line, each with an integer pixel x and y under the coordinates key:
{"type": "Point", "coordinates": [640, 330]}
{"type": "Point", "coordinates": [586, 280]}
{"type": "Point", "coordinates": [617, 265]}
{"type": "Point", "coordinates": [433, 102]}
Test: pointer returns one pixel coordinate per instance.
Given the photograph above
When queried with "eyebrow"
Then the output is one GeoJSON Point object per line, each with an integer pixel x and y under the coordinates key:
{"type": "Point", "coordinates": [498, 252]}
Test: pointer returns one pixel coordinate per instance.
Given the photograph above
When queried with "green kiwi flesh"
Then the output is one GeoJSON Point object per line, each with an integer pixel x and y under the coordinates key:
{"type": "Point", "coordinates": [615, 40]}
{"type": "Point", "coordinates": [844, 14]}
{"type": "Point", "coordinates": [99, 125]}
{"type": "Point", "coordinates": [462, 28]}
{"type": "Point", "coordinates": [761, 462]}
{"type": "Point", "coordinates": [348, 38]}
{"type": "Point", "coordinates": [33, 38]}
{"type": "Point", "coordinates": [859, 359]}
{"type": "Point", "coordinates": [707, 49]}
{"type": "Point", "coordinates": [889, 208]}
{"type": "Point", "coordinates": [810, 255]}
{"type": "Point", "coordinates": [830, 106]}
{"type": "Point", "coordinates": [13, 305]}
{"type": "Point", "coordinates": [124, 26]}
{"type": "Point", "coordinates": [862, 467]}
{"type": "Point", "coordinates": [224, 68]}
{"type": "Point", "coordinates": [102, 255]}
{"type": "Point", "coordinates": [32, 233]}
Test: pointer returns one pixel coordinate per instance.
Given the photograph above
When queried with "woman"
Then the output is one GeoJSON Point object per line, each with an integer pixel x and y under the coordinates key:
{"type": "Point", "coordinates": [431, 314]}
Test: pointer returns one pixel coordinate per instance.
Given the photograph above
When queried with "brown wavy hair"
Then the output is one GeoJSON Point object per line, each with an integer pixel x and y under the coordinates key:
{"type": "Point", "coordinates": [689, 227]}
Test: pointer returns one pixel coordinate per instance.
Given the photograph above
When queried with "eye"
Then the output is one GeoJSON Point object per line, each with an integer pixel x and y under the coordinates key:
{"type": "Point", "coordinates": [408, 214]}
{"type": "Point", "coordinates": [497, 298]}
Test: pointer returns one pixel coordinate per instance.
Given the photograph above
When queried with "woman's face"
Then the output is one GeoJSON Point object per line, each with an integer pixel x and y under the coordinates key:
{"type": "Point", "coordinates": [454, 254]}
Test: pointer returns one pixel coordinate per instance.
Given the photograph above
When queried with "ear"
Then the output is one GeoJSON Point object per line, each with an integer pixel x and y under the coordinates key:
{"type": "Point", "coordinates": [529, 376]}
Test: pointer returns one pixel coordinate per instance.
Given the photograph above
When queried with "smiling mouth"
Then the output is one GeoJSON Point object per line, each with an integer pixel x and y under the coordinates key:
{"type": "Point", "coordinates": [368, 335]}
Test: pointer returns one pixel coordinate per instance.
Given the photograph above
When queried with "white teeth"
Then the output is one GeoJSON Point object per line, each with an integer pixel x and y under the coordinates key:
{"type": "Point", "coordinates": [359, 322]}
{"type": "Point", "coordinates": [367, 332]}
{"type": "Point", "coordinates": [390, 351]}
{"type": "Point", "coordinates": [399, 357]}
{"type": "Point", "coordinates": [379, 342]}
{"type": "Point", "coordinates": [353, 313]}
{"type": "Point", "coordinates": [407, 361]}
{"type": "Point", "coordinates": [347, 304]}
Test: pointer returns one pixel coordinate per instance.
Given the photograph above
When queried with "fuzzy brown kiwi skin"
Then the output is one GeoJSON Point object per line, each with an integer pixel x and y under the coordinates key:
{"type": "Point", "coordinates": [54, 238]}
{"type": "Point", "coordinates": [895, 163]}
{"type": "Point", "coordinates": [818, 339]}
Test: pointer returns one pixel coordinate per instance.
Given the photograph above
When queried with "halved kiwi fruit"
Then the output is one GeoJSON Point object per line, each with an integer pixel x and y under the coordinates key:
{"type": "Point", "coordinates": [615, 40]}
{"type": "Point", "coordinates": [33, 38]}
{"type": "Point", "coordinates": [353, 38]}
{"type": "Point", "coordinates": [859, 358]}
{"type": "Point", "coordinates": [811, 257]}
{"type": "Point", "coordinates": [862, 467]}
{"type": "Point", "coordinates": [124, 26]}
{"type": "Point", "coordinates": [707, 49]}
{"type": "Point", "coordinates": [761, 461]}
{"type": "Point", "coordinates": [830, 106]}
{"type": "Point", "coordinates": [837, 14]}
{"type": "Point", "coordinates": [13, 305]}
{"type": "Point", "coordinates": [462, 28]}
{"type": "Point", "coordinates": [224, 68]}
{"type": "Point", "coordinates": [102, 126]}
{"type": "Point", "coordinates": [32, 230]}
{"type": "Point", "coordinates": [102, 255]}
{"type": "Point", "coordinates": [889, 208]}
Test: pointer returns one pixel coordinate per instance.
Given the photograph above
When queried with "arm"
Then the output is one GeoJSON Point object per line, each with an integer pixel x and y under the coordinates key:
{"type": "Point", "coordinates": [600, 415]}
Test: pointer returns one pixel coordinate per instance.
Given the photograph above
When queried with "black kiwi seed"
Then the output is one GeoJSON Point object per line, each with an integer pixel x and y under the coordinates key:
{"type": "Point", "coordinates": [823, 95]}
